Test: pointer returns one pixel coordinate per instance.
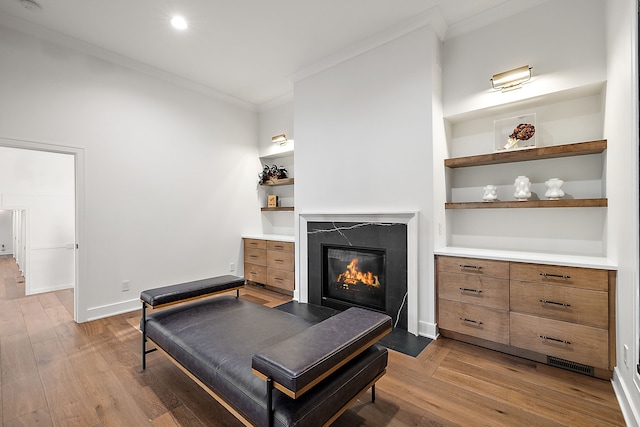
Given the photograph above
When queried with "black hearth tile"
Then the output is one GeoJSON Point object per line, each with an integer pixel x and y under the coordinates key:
{"type": "Point", "coordinates": [398, 340]}
{"type": "Point", "coordinates": [405, 342]}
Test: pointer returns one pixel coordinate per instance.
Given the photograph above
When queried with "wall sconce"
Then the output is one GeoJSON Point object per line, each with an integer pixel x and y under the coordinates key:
{"type": "Point", "coordinates": [512, 79]}
{"type": "Point", "coordinates": [279, 139]}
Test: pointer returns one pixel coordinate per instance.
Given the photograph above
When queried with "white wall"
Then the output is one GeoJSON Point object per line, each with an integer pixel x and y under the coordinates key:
{"type": "Point", "coordinates": [6, 231]}
{"type": "Point", "coordinates": [621, 129]}
{"type": "Point", "coordinates": [167, 171]}
{"type": "Point", "coordinates": [43, 184]}
{"type": "Point", "coordinates": [363, 141]}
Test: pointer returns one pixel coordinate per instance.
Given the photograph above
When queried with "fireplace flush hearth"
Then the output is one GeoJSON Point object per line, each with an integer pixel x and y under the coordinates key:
{"type": "Point", "coordinates": [359, 264]}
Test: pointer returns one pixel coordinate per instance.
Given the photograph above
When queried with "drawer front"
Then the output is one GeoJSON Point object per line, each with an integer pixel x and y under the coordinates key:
{"type": "Point", "coordinates": [486, 323]}
{"type": "Point", "coordinates": [274, 245]}
{"type": "Point", "coordinates": [478, 267]}
{"type": "Point", "coordinates": [473, 289]}
{"type": "Point", "coordinates": [255, 256]}
{"type": "Point", "coordinates": [255, 273]}
{"type": "Point", "coordinates": [565, 303]}
{"type": "Point", "coordinates": [281, 260]}
{"type": "Point", "coordinates": [586, 278]}
{"type": "Point", "coordinates": [282, 279]}
{"type": "Point", "coordinates": [255, 244]}
{"type": "Point", "coordinates": [582, 344]}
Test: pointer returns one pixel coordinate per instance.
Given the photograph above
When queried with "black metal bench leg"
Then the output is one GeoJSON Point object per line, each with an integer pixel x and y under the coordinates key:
{"type": "Point", "coordinates": [269, 402]}
{"type": "Point", "coordinates": [144, 336]}
{"type": "Point", "coordinates": [373, 393]}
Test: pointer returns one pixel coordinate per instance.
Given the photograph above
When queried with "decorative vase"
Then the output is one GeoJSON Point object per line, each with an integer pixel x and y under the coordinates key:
{"type": "Point", "coordinates": [523, 186]}
{"type": "Point", "coordinates": [490, 193]}
{"type": "Point", "coordinates": [554, 192]}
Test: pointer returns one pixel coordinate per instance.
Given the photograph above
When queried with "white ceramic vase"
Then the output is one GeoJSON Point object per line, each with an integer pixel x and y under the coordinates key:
{"type": "Point", "coordinates": [554, 192]}
{"type": "Point", "coordinates": [490, 193]}
{"type": "Point", "coordinates": [523, 188]}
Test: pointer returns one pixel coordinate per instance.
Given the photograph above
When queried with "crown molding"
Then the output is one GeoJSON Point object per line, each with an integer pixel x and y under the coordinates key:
{"type": "Point", "coordinates": [44, 33]}
{"type": "Point", "coordinates": [491, 16]}
{"type": "Point", "coordinates": [431, 17]}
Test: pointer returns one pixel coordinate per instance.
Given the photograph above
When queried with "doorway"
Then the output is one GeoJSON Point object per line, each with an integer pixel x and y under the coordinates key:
{"type": "Point", "coordinates": [41, 183]}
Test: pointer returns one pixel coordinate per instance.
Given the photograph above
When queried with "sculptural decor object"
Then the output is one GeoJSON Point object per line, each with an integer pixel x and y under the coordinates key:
{"type": "Point", "coordinates": [523, 188]}
{"type": "Point", "coordinates": [515, 133]}
{"type": "Point", "coordinates": [554, 192]}
{"type": "Point", "coordinates": [490, 193]}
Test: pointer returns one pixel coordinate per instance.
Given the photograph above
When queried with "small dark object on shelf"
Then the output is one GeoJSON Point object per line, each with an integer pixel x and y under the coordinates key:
{"type": "Point", "coordinates": [272, 173]}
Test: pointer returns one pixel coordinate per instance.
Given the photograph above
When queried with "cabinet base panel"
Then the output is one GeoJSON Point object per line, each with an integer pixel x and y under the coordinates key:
{"type": "Point", "coordinates": [270, 288]}
{"type": "Point", "coordinates": [518, 352]}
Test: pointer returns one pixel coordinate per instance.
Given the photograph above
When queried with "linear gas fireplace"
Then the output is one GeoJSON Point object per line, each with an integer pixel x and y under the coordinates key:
{"type": "Point", "coordinates": [363, 264]}
{"type": "Point", "coordinates": [353, 276]}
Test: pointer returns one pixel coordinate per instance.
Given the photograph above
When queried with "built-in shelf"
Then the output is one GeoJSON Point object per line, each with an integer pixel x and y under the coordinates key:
{"type": "Point", "coordinates": [285, 181]}
{"type": "Point", "coordinates": [280, 208]}
{"type": "Point", "coordinates": [563, 203]}
{"type": "Point", "coordinates": [551, 152]}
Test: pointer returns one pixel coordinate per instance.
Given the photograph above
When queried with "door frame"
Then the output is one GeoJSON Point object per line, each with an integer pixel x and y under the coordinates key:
{"type": "Point", "coordinates": [79, 303]}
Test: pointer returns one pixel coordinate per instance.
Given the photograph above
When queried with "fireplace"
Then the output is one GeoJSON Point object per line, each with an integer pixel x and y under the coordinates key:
{"type": "Point", "coordinates": [377, 279]}
{"type": "Point", "coordinates": [353, 276]}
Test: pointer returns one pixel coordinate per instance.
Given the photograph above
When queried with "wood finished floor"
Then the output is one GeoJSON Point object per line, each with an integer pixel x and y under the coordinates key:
{"type": "Point", "coordinates": [55, 372]}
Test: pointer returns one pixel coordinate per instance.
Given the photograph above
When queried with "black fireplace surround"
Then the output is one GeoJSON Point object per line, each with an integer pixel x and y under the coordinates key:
{"type": "Point", "coordinates": [379, 246]}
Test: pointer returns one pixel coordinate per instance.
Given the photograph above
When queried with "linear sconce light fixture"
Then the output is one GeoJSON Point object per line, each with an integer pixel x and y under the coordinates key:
{"type": "Point", "coordinates": [279, 139]}
{"type": "Point", "coordinates": [512, 79]}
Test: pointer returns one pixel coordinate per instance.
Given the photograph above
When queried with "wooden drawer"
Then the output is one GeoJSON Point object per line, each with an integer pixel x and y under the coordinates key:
{"type": "Point", "coordinates": [565, 303]}
{"type": "Point", "coordinates": [282, 279]}
{"type": "Point", "coordinates": [255, 256]}
{"type": "Point", "coordinates": [255, 244]}
{"type": "Point", "coordinates": [482, 322]}
{"type": "Point", "coordinates": [582, 344]}
{"type": "Point", "coordinates": [474, 289]}
{"type": "Point", "coordinates": [479, 267]}
{"type": "Point", "coordinates": [273, 245]}
{"type": "Point", "coordinates": [255, 273]}
{"type": "Point", "coordinates": [280, 260]}
{"type": "Point", "coordinates": [587, 278]}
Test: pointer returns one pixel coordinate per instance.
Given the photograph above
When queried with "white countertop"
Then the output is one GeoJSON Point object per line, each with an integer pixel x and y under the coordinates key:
{"type": "Point", "coordinates": [535, 257]}
{"type": "Point", "coordinates": [276, 237]}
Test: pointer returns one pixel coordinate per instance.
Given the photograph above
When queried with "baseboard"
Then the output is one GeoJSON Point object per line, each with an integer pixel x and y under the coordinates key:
{"type": "Point", "coordinates": [100, 312]}
{"type": "Point", "coordinates": [429, 330]}
{"type": "Point", "coordinates": [631, 417]}
{"type": "Point", "coordinates": [51, 289]}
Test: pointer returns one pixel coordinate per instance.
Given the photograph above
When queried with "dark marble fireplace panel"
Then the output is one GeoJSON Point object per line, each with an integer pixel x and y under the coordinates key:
{"type": "Point", "coordinates": [391, 237]}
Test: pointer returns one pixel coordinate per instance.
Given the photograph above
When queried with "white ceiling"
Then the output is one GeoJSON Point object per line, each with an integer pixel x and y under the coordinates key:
{"type": "Point", "coordinates": [246, 50]}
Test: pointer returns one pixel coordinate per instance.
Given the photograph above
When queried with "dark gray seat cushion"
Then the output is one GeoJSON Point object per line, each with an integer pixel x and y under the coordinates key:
{"type": "Point", "coordinates": [174, 293]}
{"type": "Point", "coordinates": [298, 361]}
{"type": "Point", "coordinates": [215, 339]}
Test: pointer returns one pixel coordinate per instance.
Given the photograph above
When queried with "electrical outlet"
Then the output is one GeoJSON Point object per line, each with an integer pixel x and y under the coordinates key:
{"type": "Point", "coordinates": [232, 267]}
{"type": "Point", "coordinates": [125, 285]}
{"type": "Point", "coordinates": [624, 355]}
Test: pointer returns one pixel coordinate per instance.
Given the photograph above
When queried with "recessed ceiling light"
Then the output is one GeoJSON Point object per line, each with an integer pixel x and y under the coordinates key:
{"type": "Point", "coordinates": [179, 22]}
{"type": "Point", "coordinates": [30, 5]}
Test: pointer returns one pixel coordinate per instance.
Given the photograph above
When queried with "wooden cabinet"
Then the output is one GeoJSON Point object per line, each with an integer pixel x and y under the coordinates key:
{"type": "Point", "coordinates": [270, 263]}
{"type": "Point", "coordinates": [549, 313]}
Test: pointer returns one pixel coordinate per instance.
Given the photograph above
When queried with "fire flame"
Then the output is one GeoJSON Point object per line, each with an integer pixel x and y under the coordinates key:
{"type": "Point", "coordinates": [352, 276]}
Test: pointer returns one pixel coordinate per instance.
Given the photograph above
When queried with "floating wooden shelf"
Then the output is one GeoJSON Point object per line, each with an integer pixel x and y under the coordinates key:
{"type": "Point", "coordinates": [568, 203]}
{"type": "Point", "coordinates": [281, 209]}
{"type": "Point", "coordinates": [555, 151]}
{"type": "Point", "coordinates": [285, 181]}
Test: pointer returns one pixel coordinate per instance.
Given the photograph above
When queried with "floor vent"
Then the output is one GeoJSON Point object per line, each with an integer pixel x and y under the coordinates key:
{"type": "Point", "coordinates": [570, 366]}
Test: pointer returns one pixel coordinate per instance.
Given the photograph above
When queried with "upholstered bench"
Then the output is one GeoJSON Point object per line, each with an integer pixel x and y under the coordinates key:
{"type": "Point", "coordinates": [267, 367]}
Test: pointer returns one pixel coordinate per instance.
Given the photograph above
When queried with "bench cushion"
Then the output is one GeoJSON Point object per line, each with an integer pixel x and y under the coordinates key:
{"type": "Point", "coordinates": [298, 361]}
{"type": "Point", "coordinates": [183, 291]}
